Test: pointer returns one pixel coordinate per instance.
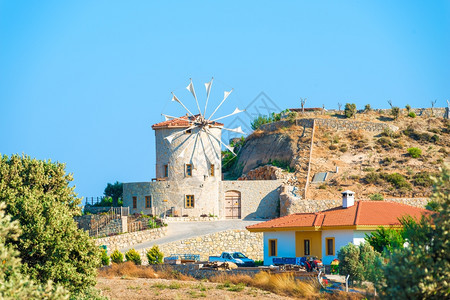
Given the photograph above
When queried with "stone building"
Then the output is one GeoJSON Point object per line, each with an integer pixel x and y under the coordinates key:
{"type": "Point", "coordinates": [189, 178]}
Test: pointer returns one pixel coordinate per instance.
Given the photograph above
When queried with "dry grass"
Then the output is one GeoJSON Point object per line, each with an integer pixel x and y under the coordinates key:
{"type": "Point", "coordinates": [130, 270]}
{"type": "Point", "coordinates": [282, 284]}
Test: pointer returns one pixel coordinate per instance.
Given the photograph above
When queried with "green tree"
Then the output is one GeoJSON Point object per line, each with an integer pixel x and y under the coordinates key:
{"type": "Point", "coordinates": [115, 191]}
{"type": "Point", "coordinates": [395, 111]}
{"type": "Point", "coordinates": [422, 269]}
{"type": "Point", "coordinates": [408, 108]}
{"type": "Point", "coordinates": [386, 239]}
{"type": "Point", "coordinates": [350, 110]}
{"type": "Point", "coordinates": [51, 247]}
{"type": "Point", "coordinates": [367, 108]}
{"type": "Point", "coordinates": [155, 256]}
{"type": "Point", "coordinates": [14, 284]}
{"type": "Point", "coordinates": [358, 262]}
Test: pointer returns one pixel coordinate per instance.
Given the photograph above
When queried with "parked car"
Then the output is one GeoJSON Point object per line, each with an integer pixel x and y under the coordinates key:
{"type": "Point", "coordinates": [235, 257]}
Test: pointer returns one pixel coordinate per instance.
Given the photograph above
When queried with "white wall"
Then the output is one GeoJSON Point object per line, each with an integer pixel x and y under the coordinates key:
{"type": "Point", "coordinates": [358, 236]}
{"type": "Point", "coordinates": [341, 238]}
{"type": "Point", "coordinates": [285, 244]}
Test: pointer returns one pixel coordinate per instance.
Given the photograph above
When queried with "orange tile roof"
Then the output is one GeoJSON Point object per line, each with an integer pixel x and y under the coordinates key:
{"type": "Point", "coordinates": [363, 213]}
{"type": "Point", "coordinates": [181, 122]}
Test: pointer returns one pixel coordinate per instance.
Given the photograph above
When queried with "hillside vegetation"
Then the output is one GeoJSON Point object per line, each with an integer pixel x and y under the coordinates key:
{"type": "Point", "coordinates": [376, 165]}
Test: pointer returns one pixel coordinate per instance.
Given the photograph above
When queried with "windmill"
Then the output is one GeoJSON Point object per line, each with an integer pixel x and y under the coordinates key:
{"type": "Point", "coordinates": [200, 123]}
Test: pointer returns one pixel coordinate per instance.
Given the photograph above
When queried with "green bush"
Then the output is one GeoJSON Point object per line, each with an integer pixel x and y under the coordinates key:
{"type": "Point", "coordinates": [134, 256]}
{"type": "Point", "coordinates": [415, 152]}
{"type": "Point", "coordinates": [372, 178]}
{"type": "Point", "coordinates": [386, 239]}
{"type": "Point", "coordinates": [117, 257]}
{"type": "Point", "coordinates": [385, 142]}
{"type": "Point", "coordinates": [395, 112]}
{"type": "Point", "coordinates": [155, 256]}
{"type": "Point", "coordinates": [367, 108]}
{"type": "Point", "coordinates": [398, 181]}
{"type": "Point", "coordinates": [357, 261]}
{"type": "Point", "coordinates": [412, 114]}
{"type": "Point", "coordinates": [292, 115]}
{"type": "Point", "coordinates": [350, 110]}
{"type": "Point", "coordinates": [408, 108]}
{"type": "Point", "coordinates": [376, 197]}
{"type": "Point", "coordinates": [423, 179]}
{"type": "Point", "coordinates": [105, 258]}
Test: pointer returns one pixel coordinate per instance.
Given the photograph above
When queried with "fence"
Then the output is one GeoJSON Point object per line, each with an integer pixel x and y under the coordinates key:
{"type": "Point", "coordinates": [99, 227]}
{"type": "Point", "coordinates": [95, 200]}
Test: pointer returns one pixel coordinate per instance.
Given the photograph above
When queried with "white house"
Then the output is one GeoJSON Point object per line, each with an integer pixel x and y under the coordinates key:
{"type": "Point", "coordinates": [322, 234]}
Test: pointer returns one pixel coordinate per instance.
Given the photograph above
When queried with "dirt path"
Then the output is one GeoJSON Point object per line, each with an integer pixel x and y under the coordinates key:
{"type": "Point", "coordinates": [140, 288]}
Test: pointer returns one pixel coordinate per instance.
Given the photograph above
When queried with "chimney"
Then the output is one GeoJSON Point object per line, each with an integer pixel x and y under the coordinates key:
{"type": "Point", "coordinates": [348, 199]}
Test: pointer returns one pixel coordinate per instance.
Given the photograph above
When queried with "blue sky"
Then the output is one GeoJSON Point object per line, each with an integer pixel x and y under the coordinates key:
{"type": "Point", "coordinates": [81, 82]}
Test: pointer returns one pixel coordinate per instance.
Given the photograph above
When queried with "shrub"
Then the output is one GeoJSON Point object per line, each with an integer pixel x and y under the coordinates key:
{"type": "Point", "coordinates": [408, 108]}
{"type": "Point", "coordinates": [387, 161]}
{"type": "Point", "coordinates": [343, 148]}
{"type": "Point", "coordinates": [372, 178]}
{"type": "Point", "coordinates": [117, 257]}
{"type": "Point", "coordinates": [386, 239]}
{"type": "Point", "coordinates": [105, 258]}
{"type": "Point", "coordinates": [367, 108]}
{"type": "Point", "coordinates": [398, 181]}
{"type": "Point", "coordinates": [332, 147]}
{"type": "Point", "coordinates": [292, 115]}
{"type": "Point", "coordinates": [356, 261]}
{"type": "Point", "coordinates": [155, 256]}
{"type": "Point", "coordinates": [133, 256]}
{"type": "Point", "coordinates": [412, 114]}
{"type": "Point", "coordinates": [414, 152]}
{"type": "Point", "coordinates": [376, 197]}
{"type": "Point", "coordinates": [395, 111]}
{"type": "Point", "coordinates": [350, 110]}
{"type": "Point", "coordinates": [423, 179]}
{"type": "Point", "coordinates": [385, 142]}
{"type": "Point", "coordinates": [323, 186]}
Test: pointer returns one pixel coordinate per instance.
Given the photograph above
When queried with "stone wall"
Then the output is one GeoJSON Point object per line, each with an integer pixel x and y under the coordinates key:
{"type": "Point", "coordinates": [334, 124]}
{"type": "Point", "coordinates": [289, 204]}
{"type": "Point", "coordinates": [441, 112]}
{"type": "Point", "coordinates": [132, 238]}
{"type": "Point", "coordinates": [259, 198]}
{"type": "Point", "coordinates": [251, 244]}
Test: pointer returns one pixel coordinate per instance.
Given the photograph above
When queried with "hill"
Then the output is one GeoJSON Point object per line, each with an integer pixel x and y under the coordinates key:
{"type": "Point", "coordinates": [372, 154]}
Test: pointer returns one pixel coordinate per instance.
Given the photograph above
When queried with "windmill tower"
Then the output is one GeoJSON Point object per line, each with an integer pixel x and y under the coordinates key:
{"type": "Point", "coordinates": [188, 160]}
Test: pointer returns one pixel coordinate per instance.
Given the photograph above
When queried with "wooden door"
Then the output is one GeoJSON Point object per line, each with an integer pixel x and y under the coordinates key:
{"type": "Point", "coordinates": [233, 205]}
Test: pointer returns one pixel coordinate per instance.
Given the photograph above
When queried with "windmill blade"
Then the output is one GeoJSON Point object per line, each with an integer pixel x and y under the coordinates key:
{"type": "Point", "coordinates": [191, 89]}
{"type": "Point", "coordinates": [195, 147]}
{"type": "Point", "coordinates": [167, 117]}
{"type": "Point", "coordinates": [222, 143]}
{"type": "Point", "coordinates": [204, 149]}
{"type": "Point", "coordinates": [225, 96]}
{"type": "Point", "coordinates": [235, 112]}
{"type": "Point", "coordinates": [188, 145]}
{"type": "Point", "coordinates": [237, 129]}
{"type": "Point", "coordinates": [212, 145]}
{"type": "Point", "coordinates": [178, 133]}
{"type": "Point", "coordinates": [174, 98]}
{"type": "Point", "coordinates": [208, 90]}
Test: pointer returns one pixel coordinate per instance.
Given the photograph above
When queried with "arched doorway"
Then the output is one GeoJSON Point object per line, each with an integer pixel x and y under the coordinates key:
{"type": "Point", "coordinates": [232, 204]}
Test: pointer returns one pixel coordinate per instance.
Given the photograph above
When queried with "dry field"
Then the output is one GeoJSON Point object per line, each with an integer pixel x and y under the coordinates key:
{"type": "Point", "coordinates": [128, 281]}
{"type": "Point", "coordinates": [152, 288]}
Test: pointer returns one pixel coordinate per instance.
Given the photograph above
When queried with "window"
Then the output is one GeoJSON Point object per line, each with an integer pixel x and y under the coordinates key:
{"type": "Point", "coordinates": [189, 203]}
{"type": "Point", "coordinates": [148, 201]}
{"type": "Point", "coordinates": [211, 170]}
{"type": "Point", "coordinates": [188, 170]}
{"type": "Point", "coordinates": [329, 242]}
{"type": "Point", "coordinates": [272, 247]}
{"type": "Point", "coordinates": [134, 202]}
{"type": "Point", "coordinates": [307, 247]}
{"type": "Point", "coordinates": [166, 171]}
